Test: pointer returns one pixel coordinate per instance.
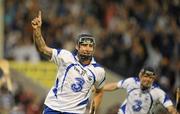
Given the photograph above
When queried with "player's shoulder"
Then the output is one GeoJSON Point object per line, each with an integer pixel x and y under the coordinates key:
{"type": "Point", "coordinates": [98, 67]}
{"type": "Point", "coordinates": [59, 51]}
{"type": "Point", "coordinates": [133, 79]}
{"type": "Point", "coordinates": [155, 86]}
{"type": "Point", "coordinates": [66, 53]}
{"type": "Point", "coordinates": [156, 89]}
{"type": "Point", "coordinates": [130, 81]}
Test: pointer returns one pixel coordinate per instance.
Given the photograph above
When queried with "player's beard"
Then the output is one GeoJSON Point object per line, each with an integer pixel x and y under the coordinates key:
{"type": "Point", "coordinates": [145, 86]}
{"type": "Point", "coordinates": [85, 57]}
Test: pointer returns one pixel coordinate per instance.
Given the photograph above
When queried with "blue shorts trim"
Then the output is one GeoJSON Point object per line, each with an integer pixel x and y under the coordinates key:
{"type": "Point", "coordinates": [48, 110]}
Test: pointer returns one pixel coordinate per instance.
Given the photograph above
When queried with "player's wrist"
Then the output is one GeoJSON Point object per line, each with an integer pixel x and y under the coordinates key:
{"type": "Point", "coordinates": [37, 29]}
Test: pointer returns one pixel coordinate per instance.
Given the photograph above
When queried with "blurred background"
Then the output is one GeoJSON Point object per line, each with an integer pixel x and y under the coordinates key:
{"type": "Point", "coordinates": [129, 35]}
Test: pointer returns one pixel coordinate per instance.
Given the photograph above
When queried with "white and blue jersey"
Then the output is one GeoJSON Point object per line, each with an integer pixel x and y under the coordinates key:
{"type": "Point", "coordinates": [138, 101]}
{"type": "Point", "coordinates": [74, 82]}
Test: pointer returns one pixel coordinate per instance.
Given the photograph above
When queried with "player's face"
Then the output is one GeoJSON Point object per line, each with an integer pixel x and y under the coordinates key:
{"type": "Point", "coordinates": [86, 49]}
{"type": "Point", "coordinates": [146, 80]}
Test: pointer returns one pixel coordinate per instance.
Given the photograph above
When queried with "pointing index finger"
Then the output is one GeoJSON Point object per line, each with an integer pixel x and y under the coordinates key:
{"type": "Point", "coordinates": [39, 14]}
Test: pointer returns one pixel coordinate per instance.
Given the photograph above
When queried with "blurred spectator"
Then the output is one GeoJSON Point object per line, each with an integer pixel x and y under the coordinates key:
{"type": "Point", "coordinates": [15, 100]}
{"type": "Point", "coordinates": [25, 51]}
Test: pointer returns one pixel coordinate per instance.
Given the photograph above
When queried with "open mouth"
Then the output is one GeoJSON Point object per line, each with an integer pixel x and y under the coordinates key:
{"type": "Point", "coordinates": [86, 54]}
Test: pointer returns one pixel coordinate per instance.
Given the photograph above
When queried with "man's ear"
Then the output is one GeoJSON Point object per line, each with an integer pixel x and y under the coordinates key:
{"type": "Point", "coordinates": [140, 74]}
{"type": "Point", "coordinates": [77, 47]}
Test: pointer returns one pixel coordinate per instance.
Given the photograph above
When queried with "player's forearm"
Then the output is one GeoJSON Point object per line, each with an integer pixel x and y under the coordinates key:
{"type": "Point", "coordinates": [38, 39]}
{"type": "Point", "coordinates": [98, 98]}
{"type": "Point", "coordinates": [40, 43]}
{"type": "Point", "coordinates": [110, 87]}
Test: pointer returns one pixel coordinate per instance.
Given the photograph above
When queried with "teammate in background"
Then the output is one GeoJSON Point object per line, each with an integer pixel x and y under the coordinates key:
{"type": "Point", "coordinates": [77, 73]}
{"type": "Point", "coordinates": [5, 79]}
{"type": "Point", "coordinates": [142, 92]}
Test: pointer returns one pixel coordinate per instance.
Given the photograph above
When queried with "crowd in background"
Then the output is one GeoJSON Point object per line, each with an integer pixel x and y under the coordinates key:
{"type": "Point", "coordinates": [20, 101]}
{"type": "Point", "coordinates": [14, 99]}
{"type": "Point", "coordinates": [129, 33]}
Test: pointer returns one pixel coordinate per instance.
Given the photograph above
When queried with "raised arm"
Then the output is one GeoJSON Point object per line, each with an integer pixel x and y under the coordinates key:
{"type": "Point", "coordinates": [37, 37]}
{"type": "Point", "coordinates": [110, 86]}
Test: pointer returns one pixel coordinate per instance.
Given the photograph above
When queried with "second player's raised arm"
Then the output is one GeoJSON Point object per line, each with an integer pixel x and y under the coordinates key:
{"type": "Point", "coordinates": [110, 86]}
{"type": "Point", "coordinates": [37, 37]}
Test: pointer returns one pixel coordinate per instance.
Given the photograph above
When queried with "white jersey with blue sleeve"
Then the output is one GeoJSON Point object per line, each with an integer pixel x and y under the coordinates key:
{"type": "Point", "coordinates": [138, 101]}
{"type": "Point", "coordinates": [74, 82]}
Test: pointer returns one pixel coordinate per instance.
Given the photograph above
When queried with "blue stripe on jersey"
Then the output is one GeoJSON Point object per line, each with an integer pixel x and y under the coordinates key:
{"type": "Point", "coordinates": [122, 82]}
{"type": "Point", "coordinates": [74, 53]}
{"type": "Point", "coordinates": [83, 102]}
{"type": "Point", "coordinates": [56, 87]}
{"type": "Point", "coordinates": [67, 69]}
{"type": "Point", "coordinates": [48, 110]}
{"type": "Point", "coordinates": [132, 90]}
{"type": "Point", "coordinates": [58, 51]}
{"type": "Point", "coordinates": [102, 81]}
{"type": "Point", "coordinates": [166, 99]}
{"type": "Point", "coordinates": [123, 108]}
{"type": "Point", "coordinates": [84, 65]}
{"type": "Point", "coordinates": [136, 79]}
{"type": "Point", "coordinates": [96, 65]}
{"type": "Point", "coordinates": [94, 77]}
{"type": "Point", "coordinates": [151, 103]}
{"type": "Point", "coordinates": [155, 85]}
